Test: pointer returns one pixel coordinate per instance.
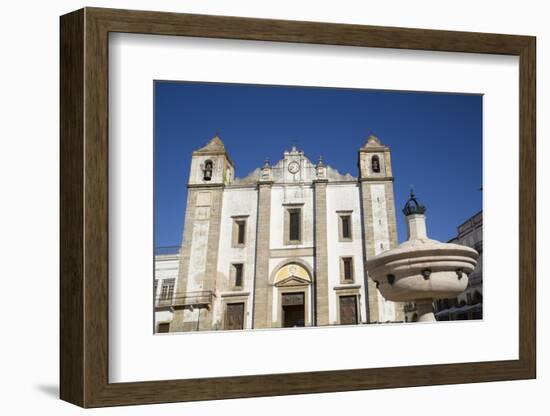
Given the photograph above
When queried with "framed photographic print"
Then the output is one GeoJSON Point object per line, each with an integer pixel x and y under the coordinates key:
{"type": "Point", "coordinates": [256, 207]}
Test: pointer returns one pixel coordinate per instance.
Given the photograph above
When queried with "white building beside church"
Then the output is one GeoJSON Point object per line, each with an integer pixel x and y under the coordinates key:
{"type": "Point", "coordinates": [285, 246]}
{"type": "Point", "coordinates": [167, 261]}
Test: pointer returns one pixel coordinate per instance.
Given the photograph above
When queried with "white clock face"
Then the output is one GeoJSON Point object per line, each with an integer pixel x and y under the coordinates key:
{"type": "Point", "coordinates": [293, 167]}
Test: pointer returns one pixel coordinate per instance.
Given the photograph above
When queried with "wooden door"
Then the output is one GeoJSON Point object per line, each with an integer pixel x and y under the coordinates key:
{"type": "Point", "coordinates": [293, 309]}
{"type": "Point", "coordinates": [234, 316]}
{"type": "Point", "coordinates": [348, 310]}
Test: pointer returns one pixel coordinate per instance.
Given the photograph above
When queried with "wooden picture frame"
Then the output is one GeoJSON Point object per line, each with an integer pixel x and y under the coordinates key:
{"type": "Point", "coordinates": [84, 207]}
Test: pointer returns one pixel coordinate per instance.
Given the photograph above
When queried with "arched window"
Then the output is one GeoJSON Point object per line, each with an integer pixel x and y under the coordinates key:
{"type": "Point", "coordinates": [375, 163]}
{"type": "Point", "coordinates": [208, 170]}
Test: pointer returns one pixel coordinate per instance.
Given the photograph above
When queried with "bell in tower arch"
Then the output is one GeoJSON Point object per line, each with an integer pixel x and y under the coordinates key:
{"type": "Point", "coordinates": [208, 165]}
{"type": "Point", "coordinates": [375, 164]}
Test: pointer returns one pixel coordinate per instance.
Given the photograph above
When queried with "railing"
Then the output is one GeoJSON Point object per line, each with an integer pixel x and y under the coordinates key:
{"type": "Point", "coordinates": [199, 298]}
{"type": "Point", "coordinates": [167, 250]}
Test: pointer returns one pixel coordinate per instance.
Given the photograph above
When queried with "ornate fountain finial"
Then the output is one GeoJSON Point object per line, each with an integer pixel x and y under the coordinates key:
{"type": "Point", "coordinates": [412, 206]}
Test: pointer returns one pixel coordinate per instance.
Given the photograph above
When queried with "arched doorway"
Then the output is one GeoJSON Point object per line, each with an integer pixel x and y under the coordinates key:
{"type": "Point", "coordinates": [292, 287]}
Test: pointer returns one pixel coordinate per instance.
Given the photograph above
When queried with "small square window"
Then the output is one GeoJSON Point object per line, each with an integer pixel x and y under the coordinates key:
{"type": "Point", "coordinates": [293, 226]}
{"type": "Point", "coordinates": [167, 289]}
{"type": "Point", "coordinates": [347, 269]}
{"type": "Point", "coordinates": [238, 274]}
{"type": "Point", "coordinates": [294, 221]}
{"type": "Point", "coordinates": [239, 232]}
{"type": "Point", "coordinates": [344, 226]}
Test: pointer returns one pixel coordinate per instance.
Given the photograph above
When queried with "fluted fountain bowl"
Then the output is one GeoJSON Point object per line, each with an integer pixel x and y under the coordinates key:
{"type": "Point", "coordinates": [422, 269]}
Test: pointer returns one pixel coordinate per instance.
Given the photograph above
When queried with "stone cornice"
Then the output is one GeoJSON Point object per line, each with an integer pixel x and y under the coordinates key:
{"type": "Point", "coordinates": [382, 179]}
{"type": "Point", "coordinates": [205, 185]}
{"type": "Point", "coordinates": [273, 184]}
{"type": "Point", "coordinates": [347, 287]}
{"type": "Point", "coordinates": [374, 149]}
{"type": "Point", "coordinates": [234, 294]}
{"type": "Point", "coordinates": [165, 258]}
{"type": "Point", "coordinates": [242, 186]}
{"type": "Point", "coordinates": [343, 183]}
{"type": "Point", "coordinates": [275, 253]}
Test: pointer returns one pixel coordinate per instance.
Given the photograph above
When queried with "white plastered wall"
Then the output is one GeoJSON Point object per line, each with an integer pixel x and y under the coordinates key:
{"type": "Point", "coordinates": [344, 197]}
{"type": "Point", "coordinates": [291, 194]}
{"type": "Point", "coordinates": [236, 202]}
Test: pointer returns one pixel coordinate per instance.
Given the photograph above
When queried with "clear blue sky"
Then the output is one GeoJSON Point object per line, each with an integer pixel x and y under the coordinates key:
{"type": "Point", "coordinates": [436, 141]}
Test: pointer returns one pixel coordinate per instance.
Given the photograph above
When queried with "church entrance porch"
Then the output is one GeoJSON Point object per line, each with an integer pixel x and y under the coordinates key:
{"type": "Point", "coordinates": [292, 295]}
{"type": "Point", "coordinates": [293, 309]}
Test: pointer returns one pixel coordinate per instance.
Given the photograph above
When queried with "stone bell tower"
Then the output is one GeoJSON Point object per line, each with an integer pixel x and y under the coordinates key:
{"type": "Point", "coordinates": [379, 222]}
{"type": "Point", "coordinates": [211, 165]}
{"type": "Point", "coordinates": [211, 169]}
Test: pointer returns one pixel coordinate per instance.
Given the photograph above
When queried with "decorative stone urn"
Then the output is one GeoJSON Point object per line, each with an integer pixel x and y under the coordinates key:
{"type": "Point", "coordinates": [421, 270]}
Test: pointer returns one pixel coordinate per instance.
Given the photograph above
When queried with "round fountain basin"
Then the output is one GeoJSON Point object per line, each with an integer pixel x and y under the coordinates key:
{"type": "Point", "coordinates": [422, 269]}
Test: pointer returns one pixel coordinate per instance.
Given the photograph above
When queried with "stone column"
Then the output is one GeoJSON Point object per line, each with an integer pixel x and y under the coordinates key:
{"type": "Point", "coordinates": [212, 250]}
{"type": "Point", "coordinates": [262, 288]}
{"type": "Point", "coordinates": [209, 212]}
{"type": "Point", "coordinates": [392, 229]}
{"type": "Point", "coordinates": [185, 250]}
{"type": "Point", "coordinates": [368, 248]}
{"type": "Point", "coordinates": [416, 226]}
{"type": "Point", "coordinates": [177, 324]}
{"type": "Point", "coordinates": [321, 253]}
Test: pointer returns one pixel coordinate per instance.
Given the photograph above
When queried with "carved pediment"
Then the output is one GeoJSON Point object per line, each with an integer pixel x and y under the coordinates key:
{"type": "Point", "coordinates": [292, 281]}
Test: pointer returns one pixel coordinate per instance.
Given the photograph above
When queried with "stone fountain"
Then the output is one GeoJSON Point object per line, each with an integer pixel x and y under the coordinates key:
{"type": "Point", "coordinates": [422, 270]}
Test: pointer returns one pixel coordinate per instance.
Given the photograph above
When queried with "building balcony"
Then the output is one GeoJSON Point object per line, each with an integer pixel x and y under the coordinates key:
{"type": "Point", "coordinates": [199, 299]}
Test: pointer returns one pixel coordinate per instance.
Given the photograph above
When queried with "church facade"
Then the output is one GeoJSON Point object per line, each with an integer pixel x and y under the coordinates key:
{"type": "Point", "coordinates": [285, 246]}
